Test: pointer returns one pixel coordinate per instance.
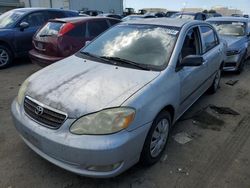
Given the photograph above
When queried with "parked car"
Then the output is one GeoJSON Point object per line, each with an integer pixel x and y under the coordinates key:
{"type": "Point", "coordinates": [100, 111]}
{"type": "Point", "coordinates": [236, 31]}
{"type": "Point", "coordinates": [109, 15]}
{"type": "Point", "coordinates": [135, 17]}
{"type": "Point", "coordinates": [156, 14]}
{"type": "Point", "coordinates": [17, 28]}
{"type": "Point", "coordinates": [63, 37]}
{"type": "Point", "coordinates": [210, 15]}
{"type": "Point", "coordinates": [170, 13]}
{"type": "Point", "coordinates": [190, 15]}
{"type": "Point", "coordinates": [91, 12]}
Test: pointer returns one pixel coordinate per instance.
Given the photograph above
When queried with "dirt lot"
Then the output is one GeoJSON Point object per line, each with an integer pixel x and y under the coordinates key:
{"type": "Point", "coordinates": [217, 154]}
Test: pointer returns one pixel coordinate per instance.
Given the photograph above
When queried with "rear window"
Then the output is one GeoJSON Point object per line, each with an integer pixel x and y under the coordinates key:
{"type": "Point", "coordinates": [50, 29]}
{"type": "Point", "coordinates": [97, 27]}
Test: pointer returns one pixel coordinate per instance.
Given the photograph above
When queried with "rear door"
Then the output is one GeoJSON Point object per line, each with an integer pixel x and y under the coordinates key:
{"type": "Point", "coordinates": [23, 39]}
{"type": "Point", "coordinates": [211, 50]}
{"type": "Point", "coordinates": [192, 79]}
{"type": "Point", "coordinates": [96, 27]}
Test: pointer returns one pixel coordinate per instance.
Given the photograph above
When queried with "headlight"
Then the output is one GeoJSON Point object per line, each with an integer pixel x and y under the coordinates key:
{"type": "Point", "coordinates": [22, 91]}
{"type": "Point", "coordinates": [104, 122]}
{"type": "Point", "coordinates": [232, 52]}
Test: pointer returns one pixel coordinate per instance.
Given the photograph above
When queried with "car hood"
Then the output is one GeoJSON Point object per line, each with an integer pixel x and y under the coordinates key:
{"type": "Point", "coordinates": [78, 86]}
{"type": "Point", "coordinates": [234, 42]}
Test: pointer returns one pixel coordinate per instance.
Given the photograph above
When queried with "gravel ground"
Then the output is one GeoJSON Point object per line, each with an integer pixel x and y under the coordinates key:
{"type": "Point", "coordinates": [206, 148]}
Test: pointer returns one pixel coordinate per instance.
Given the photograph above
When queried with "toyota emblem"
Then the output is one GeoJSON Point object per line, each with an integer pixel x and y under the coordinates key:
{"type": "Point", "coordinates": [39, 110]}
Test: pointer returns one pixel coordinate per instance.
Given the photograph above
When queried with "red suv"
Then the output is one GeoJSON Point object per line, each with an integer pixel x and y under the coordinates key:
{"type": "Point", "coordinates": [60, 38]}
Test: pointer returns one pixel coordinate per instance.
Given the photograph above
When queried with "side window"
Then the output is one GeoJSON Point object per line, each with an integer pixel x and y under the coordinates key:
{"type": "Point", "coordinates": [96, 27]}
{"type": "Point", "coordinates": [209, 37]}
{"type": "Point", "coordinates": [78, 31]}
{"type": "Point", "coordinates": [191, 45]}
{"type": "Point", "coordinates": [55, 14]}
{"type": "Point", "coordinates": [113, 22]}
{"type": "Point", "coordinates": [36, 19]}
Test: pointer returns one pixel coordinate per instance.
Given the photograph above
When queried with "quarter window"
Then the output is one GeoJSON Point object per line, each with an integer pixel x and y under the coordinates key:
{"type": "Point", "coordinates": [209, 37]}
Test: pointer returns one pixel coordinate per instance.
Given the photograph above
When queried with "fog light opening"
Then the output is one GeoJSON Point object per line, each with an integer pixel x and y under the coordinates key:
{"type": "Point", "coordinates": [104, 168]}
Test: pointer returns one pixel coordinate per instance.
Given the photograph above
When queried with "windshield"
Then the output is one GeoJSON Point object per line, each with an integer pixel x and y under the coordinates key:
{"type": "Point", "coordinates": [142, 44]}
{"type": "Point", "coordinates": [230, 28]}
{"type": "Point", "coordinates": [184, 16]}
{"type": "Point", "coordinates": [9, 18]}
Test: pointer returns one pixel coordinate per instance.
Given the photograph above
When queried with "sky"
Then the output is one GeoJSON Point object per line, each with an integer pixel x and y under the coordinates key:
{"type": "Point", "coordinates": [243, 5]}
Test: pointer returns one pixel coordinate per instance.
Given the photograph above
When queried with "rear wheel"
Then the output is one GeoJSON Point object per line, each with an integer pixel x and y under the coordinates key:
{"type": "Point", "coordinates": [5, 56]}
{"type": "Point", "coordinates": [156, 139]}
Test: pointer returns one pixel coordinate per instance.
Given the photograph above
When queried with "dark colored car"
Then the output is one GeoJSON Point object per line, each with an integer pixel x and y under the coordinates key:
{"type": "Point", "coordinates": [190, 15]}
{"type": "Point", "coordinates": [17, 28]}
{"type": "Point", "coordinates": [91, 12]}
{"type": "Point", "coordinates": [110, 15]}
{"type": "Point", "coordinates": [60, 38]}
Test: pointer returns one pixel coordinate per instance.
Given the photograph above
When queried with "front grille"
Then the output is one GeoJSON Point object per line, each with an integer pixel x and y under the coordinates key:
{"type": "Point", "coordinates": [42, 114]}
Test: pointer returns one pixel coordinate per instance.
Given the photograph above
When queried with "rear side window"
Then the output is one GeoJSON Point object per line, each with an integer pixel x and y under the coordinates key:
{"type": "Point", "coordinates": [55, 14]}
{"type": "Point", "coordinates": [36, 19]}
{"type": "Point", "coordinates": [50, 29]}
{"type": "Point", "coordinates": [209, 37]}
{"type": "Point", "coordinates": [113, 22]}
{"type": "Point", "coordinates": [97, 27]}
{"type": "Point", "coordinates": [78, 31]}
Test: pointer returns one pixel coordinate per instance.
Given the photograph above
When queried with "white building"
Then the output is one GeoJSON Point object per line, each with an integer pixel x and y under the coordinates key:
{"type": "Point", "coordinates": [106, 6]}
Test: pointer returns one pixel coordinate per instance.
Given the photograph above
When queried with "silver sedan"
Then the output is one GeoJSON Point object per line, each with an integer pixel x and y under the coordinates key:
{"type": "Point", "coordinates": [113, 103]}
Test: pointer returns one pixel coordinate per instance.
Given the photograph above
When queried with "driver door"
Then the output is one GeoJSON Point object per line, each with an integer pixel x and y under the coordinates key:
{"type": "Point", "coordinates": [23, 38]}
{"type": "Point", "coordinates": [191, 78]}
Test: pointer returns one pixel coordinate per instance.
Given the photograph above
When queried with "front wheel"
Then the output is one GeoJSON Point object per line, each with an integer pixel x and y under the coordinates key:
{"type": "Point", "coordinates": [216, 83]}
{"type": "Point", "coordinates": [5, 57]}
{"type": "Point", "coordinates": [242, 65]}
{"type": "Point", "coordinates": [156, 139]}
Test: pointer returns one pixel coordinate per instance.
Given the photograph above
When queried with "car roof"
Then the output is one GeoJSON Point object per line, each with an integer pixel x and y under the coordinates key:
{"type": "Point", "coordinates": [189, 13]}
{"type": "Point", "coordinates": [229, 18]}
{"type": "Point", "coordinates": [80, 19]}
{"type": "Point", "coordinates": [174, 22]}
{"type": "Point", "coordinates": [36, 9]}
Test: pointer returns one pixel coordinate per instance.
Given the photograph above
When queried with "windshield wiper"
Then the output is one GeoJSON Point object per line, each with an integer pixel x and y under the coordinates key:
{"type": "Point", "coordinates": [125, 61]}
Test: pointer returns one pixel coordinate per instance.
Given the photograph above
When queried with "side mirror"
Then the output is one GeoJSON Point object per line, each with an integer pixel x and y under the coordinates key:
{"type": "Point", "coordinates": [192, 61]}
{"type": "Point", "coordinates": [23, 25]}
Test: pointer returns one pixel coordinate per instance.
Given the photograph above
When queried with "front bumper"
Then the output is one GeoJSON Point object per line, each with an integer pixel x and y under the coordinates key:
{"type": "Point", "coordinates": [76, 153]}
{"type": "Point", "coordinates": [232, 62]}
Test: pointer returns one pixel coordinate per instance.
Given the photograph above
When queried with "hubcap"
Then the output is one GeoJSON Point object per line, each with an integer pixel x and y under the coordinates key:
{"type": "Point", "coordinates": [4, 57]}
{"type": "Point", "coordinates": [217, 79]}
{"type": "Point", "coordinates": [159, 137]}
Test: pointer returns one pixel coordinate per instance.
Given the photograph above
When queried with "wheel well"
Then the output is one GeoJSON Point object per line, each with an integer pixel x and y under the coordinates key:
{"type": "Point", "coordinates": [7, 45]}
{"type": "Point", "coordinates": [171, 110]}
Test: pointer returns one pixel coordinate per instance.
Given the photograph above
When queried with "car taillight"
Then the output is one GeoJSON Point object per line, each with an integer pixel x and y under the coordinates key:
{"type": "Point", "coordinates": [66, 28]}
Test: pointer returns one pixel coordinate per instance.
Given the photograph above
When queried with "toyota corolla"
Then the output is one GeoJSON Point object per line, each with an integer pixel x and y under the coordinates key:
{"type": "Point", "coordinates": [112, 104]}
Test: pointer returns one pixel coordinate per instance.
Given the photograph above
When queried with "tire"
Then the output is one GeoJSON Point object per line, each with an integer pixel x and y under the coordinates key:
{"type": "Point", "coordinates": [216, 83]}
{"type": "Point", "coordinates": [242, 65]}
{"type": "Point", "coordinates": [5, 57]}
{"type": "Point", "coordinates": [156, 139]}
